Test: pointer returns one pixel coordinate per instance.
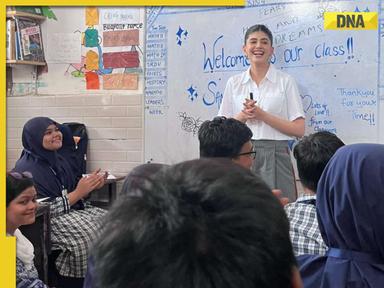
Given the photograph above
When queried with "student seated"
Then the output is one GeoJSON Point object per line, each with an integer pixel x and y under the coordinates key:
{"type": "Point", "coordinates": [227, 138]}
{"type": "Point", "coordinates": [350, 197]}
{"type": "Point", "coordinates": [74, 222]}
{"type": "Point", "coordinates": [134, 184]}
{"type": "Point", "coordinates": [21, 209]}
{"type": "Point", "coordinates": [312, 154]}
{"type": "Point", "coordinates": [201, 223]}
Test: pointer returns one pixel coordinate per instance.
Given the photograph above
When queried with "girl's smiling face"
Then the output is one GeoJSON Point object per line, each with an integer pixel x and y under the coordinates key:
{"type": "Point", "coordinates": [258, 48]}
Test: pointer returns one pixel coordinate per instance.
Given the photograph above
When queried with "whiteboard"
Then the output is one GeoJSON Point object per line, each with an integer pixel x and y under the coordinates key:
{"type": "Point", "coordinates": [191, 53]}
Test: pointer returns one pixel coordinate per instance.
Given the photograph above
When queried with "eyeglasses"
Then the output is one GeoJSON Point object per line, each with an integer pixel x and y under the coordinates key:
{"type": "Point", "coordinates": [251, 154]}
{"type": "Point", "coordinates": [22, 175]}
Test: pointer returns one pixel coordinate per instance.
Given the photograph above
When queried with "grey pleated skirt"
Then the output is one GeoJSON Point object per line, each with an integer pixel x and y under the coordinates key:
{"type": "Point", "coordinates": [273, 164]}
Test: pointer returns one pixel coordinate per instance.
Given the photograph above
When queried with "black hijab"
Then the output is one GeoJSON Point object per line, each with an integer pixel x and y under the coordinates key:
{"type": "Point", "coordinates": [51, 172]}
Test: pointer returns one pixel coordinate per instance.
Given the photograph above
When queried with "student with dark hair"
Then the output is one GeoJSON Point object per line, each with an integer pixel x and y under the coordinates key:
{"type": "Point", "coordinates": [21, 210]}
{"type": "Point", "coordinates": [138, 176]}
{"type": "Point", "coordinates": [203, 223]}
{"type": "Point", "coordinates": [268, 101]}
{"type": "Point", "coordinates": [227, 138]}
{"type": "Point", "coordinates": [350, 197]}
{"type": "Point", "coordinates": [133, 186]}
{"type": "Point", "coordinates": [312, 154]}
{"type": "Point", "coordinates": [74, 222]}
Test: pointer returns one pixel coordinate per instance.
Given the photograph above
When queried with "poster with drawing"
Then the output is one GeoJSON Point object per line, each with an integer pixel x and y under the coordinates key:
{"type": "Point", "coordinates": [94, 49]}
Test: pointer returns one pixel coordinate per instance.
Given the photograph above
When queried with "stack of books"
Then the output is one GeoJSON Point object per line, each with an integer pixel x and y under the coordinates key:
{"type": "Point", "coordinates": [24, 39]}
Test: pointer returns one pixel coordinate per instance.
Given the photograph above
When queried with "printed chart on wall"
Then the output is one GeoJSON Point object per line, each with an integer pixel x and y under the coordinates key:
{"type": "Point", "coordinates": [191, 53]}
{"type": "Point", "coordinates": [91, 49]}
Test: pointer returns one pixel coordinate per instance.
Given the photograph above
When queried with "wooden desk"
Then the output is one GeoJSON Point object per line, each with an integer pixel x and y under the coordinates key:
{"type": "Point", "coordinates": [39, 233]}
{"type": "Point", "coordinates": [105, 196]}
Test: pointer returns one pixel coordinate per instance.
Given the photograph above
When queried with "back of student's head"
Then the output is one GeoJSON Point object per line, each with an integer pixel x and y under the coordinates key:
{"type": "Point", "coordinates": [312, 154]}
{"type": "Point", "coordinates": [137, 178]}
{"type": "Point", "coordinates": [223, 137]}
{"type": "Point", "coordinates": [206, 223]}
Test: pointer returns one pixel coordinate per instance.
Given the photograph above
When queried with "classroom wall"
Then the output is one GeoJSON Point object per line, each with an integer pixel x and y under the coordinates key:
{"type": "Point", "coordinates": [114, 118]}
{"type": "Point", "coordinates": [114, 121]}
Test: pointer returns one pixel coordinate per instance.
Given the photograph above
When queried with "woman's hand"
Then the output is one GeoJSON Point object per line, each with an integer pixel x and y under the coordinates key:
{"type": "Point", "coordinates": [252, 111]}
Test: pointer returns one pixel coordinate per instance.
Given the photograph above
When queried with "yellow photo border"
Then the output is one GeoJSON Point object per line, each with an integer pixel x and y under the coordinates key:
{"type": "Point", "coordinates": [8, 244]}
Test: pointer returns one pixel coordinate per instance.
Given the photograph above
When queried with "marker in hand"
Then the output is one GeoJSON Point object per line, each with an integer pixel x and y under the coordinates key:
{"type": "Point", "coordinates": [251, 95]}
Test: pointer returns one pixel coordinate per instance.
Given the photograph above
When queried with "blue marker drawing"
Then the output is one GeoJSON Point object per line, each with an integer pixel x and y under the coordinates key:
{"type": "Point", "coordinates": [192, 93]}
{"type": "Point", "coordinates": [307, 102]}
{"type": "Point", "coordinates": [358, 10]}
{"type": "Point", "coordinates": [350, 47]}
{"type": "Point", "coordinates": [181, 35]}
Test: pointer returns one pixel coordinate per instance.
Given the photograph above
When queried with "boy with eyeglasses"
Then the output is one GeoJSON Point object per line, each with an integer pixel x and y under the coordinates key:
{"type": "Point", "coordinates": [227, 138]}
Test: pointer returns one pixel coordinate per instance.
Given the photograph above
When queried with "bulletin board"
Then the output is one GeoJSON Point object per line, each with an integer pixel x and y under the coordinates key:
{"type": "Point", "coordinates": [93, 50]}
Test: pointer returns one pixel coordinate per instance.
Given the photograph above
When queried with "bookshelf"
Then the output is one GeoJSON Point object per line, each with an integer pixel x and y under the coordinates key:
{"type": "Point", "coordinates": [25, 62]}
{"type": "Point", "coordinates": [21, 14]}
{"type": "Point", "coordinates": [14, 49]}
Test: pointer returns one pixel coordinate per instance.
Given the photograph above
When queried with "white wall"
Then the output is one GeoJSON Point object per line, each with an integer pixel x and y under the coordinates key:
{"type": "Point", "coordinates": [114, 121]}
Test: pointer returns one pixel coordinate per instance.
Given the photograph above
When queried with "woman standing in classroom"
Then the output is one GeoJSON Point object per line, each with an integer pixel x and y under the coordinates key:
{"type": "Point", "coordinates": [268, 101]}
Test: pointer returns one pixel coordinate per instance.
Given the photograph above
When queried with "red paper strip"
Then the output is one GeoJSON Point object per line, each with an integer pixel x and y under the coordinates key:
{"type": "Point", "coordinates": [128, 59]}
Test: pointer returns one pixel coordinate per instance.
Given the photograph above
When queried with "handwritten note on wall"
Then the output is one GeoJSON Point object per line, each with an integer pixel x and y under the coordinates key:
{"type": "Point", "coordinates": [188, 65]}
{"type": "Point", "coordinates": [63, 48]}
{"type": "Point", "coordinates": [118, 16]}
{"type": "Point", "coordinates": [121, 38]}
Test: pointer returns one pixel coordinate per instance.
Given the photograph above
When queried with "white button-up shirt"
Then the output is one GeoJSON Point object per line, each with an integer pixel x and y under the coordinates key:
{"type": "Point", "coordinates": [276, 94]}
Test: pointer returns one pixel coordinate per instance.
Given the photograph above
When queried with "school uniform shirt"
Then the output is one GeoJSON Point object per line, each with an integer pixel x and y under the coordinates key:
{"type": "Point", "coordinates": [276, 94]}
{"type": "Point", "coordinates": [304, 228]}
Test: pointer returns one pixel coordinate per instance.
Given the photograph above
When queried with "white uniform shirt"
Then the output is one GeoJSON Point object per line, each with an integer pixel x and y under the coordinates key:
{"type": "Point", "coordinates": [277, 94]}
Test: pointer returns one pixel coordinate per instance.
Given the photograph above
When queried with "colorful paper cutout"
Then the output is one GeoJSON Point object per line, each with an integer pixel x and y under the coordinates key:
{"type": "Point", "coordinates": [92, 60]}
{"type": "Point", "coordinates": [91, 37]}
{"type": "Point", "coordinates": [121, 38]}
{"type": "Point", "coordinates": [120, 81]}
{"type": "Point", "coordinates": [127, 59]}
{"type": "Point", "coordinates": [92, 80]}
{"type": "Point", "coordinates": [91, 16]}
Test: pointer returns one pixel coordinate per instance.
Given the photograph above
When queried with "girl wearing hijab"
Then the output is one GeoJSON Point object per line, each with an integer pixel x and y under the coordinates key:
{"type": "Point", "coordinates": [21, 209]}
{"type": "Point", "coordinates": [74, 222]}
{"type": "Point", "coordinates": [350, 198]}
